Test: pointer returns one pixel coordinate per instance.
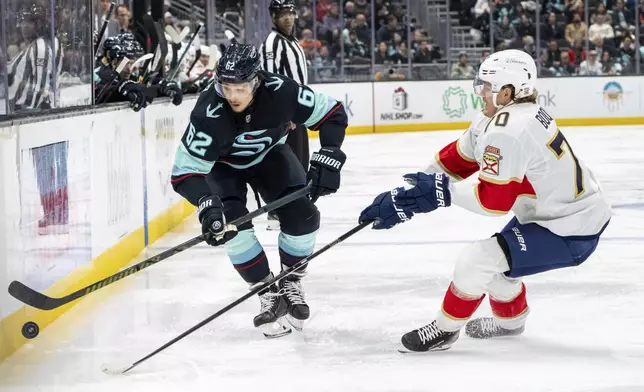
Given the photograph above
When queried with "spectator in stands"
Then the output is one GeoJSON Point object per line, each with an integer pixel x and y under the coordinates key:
{"type": "Point", "coordinates": [576, 30]}
{"type": "Point", "coordinates": [550, 30]}
{"type": "Point", "coordinates": [627, 54]}
{"type": "Point", "coordinates": [601, 28]}
{"type": "Point", "coordinates": [574, 7]}
{"type": "Point", "coordinates": [350, 10]}
{"type": "Point", "coordinates": [381, 55]}
{"type": "Point", "coordinates": [123, 15]}
{"type": "Point", "coordinates": [394, 45]}
{"type": "Point", "coordinates": [528, 46]}
{"type": "Point", "coordinates": [356, 50]}
{"type": "Point", "coordinates": [462, 69]}
{"type": "Point", "coordinates": [168, 20]}
{"type": "Point", "coordinates": [386, 32]}
{"type": "Point", "coordinates": [525, 27]}
{"type": "Point", "coordinates": [598, 45]}
{"type": "Point", "coordinates": [322, 8]}
{"type": "Point", "coordinates": [331, 20]}
{"type": "Point", "coordinates": [590, 66]}
{"type": "Point", "coordinates": [623, 21]}
{"type": "Point", "coordinates": [484, 54]}
{"type": "Point", "coordinates": [577, 52]}
{"type": "Point", "coordinates": [426, 53]}
{"type": "Point", "coordinates": [325, 64]}
{"type": "Point", "coordinates": [504, 32]}
{"type": "Point", "coordinates": [609, 65]}
{"type": "Point", "coordinates": [565, 67]}
{"type": "Point", "coordinates": [309, 44]}
{"type": "Point", "coordinates": [362, 7]}
{"type": "Point", "coordinates": [362, 29]}
{"type": "Point", "coordinates": [553, 54]}
{"type": "Point", "coordinates": [558, 6]}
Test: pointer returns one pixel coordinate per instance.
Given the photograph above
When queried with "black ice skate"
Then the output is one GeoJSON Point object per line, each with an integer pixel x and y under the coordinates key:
{"type": "Point", "coordinates": [298, 310]}
{"type": "Point", "coordinates": [486, 327]}
{"type": "Point", "coordinates": [274, 306]}
{"type": "Point", "coordinates": [428, 338]}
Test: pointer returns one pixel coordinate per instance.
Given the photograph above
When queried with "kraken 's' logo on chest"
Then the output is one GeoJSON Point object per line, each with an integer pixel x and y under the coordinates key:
{"type": "Point", "coordinates": [251, 143]}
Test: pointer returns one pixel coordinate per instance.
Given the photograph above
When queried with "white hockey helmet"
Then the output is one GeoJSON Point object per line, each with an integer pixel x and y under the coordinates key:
{"type": "Point", "coordinates": [507, 67]}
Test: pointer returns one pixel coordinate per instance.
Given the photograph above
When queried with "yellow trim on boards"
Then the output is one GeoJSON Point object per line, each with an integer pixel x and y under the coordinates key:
{"type": "Point", "coordinates": [108, 263]}
{"type": "Point", "coordinates": [450, 126]}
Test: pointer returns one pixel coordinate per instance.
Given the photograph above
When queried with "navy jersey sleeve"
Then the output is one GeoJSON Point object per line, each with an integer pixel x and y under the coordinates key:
{"type": "Point", "coordinates": [198, 150]}
{"type": "Point", "coordinates": [316, 110]}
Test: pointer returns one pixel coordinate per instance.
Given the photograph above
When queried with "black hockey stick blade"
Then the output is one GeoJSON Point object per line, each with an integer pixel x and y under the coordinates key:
{"type": "Point", "coordinates": [101, 33]}
{"type": "Point", "coordinates": [37, 300]}
{"type": "Point", "coordinates": [122, 369]}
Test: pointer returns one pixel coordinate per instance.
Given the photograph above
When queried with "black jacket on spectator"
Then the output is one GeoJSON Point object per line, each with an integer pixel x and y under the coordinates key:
{"type": "Point", "coordinates": [523, 30]}
{"type": "Point", "coordinates": [549, 32]}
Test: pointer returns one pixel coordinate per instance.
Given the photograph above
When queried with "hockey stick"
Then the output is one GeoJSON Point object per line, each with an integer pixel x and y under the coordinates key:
{"type": "Point", "coordinates": [99, 98]}
{"type": "Point", "coordinates": [197, 55]}
{"type": "Point", "coordinates": [112, 369]}
{"type": "Point", "coordinates": [101, 33]}
{"type": "Point", "coordinates": [174, 71]}
{"type": "Point", "coordinates": [40, 301]}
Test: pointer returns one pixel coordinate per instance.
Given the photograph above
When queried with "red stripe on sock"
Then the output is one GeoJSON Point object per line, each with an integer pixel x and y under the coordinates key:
{"type": "Point", "coordinates": [459, 306]}
{"type": "Point", "coordinates": [511, 309]}
{"type": "Point", "coordinates": [243, 267]}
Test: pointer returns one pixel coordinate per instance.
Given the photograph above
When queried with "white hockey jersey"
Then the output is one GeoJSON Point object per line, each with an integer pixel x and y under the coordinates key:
{"type": "Point", "coordinates": [526, 166]}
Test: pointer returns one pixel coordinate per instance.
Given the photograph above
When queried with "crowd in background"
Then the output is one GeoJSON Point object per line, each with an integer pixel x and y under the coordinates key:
{"type": "Point", "coordinates": [605, 44]}
{"type": "Point", "coordinates": [343, 41]}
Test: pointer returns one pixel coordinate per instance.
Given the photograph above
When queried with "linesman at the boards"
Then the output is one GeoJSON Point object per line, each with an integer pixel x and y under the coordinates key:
{"type": "Point", "coordinates": [282, 54]}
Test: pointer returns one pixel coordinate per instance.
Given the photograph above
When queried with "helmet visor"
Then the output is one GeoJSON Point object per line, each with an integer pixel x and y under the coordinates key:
{"type": "Point", "coordinates": [232, 91]}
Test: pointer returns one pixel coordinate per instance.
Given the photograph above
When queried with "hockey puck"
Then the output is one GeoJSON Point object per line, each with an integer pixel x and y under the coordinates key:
{"type": "Point", "coordinates": [30, 330]}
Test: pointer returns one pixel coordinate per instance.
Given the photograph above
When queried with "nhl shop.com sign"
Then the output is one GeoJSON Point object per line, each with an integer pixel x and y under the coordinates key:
{"type": "Point", "coordinates": [400, 104]}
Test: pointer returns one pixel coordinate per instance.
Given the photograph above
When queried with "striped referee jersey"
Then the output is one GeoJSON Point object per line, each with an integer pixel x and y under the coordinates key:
{"type": "Point", "coordinates": [31, 75]}
{"type": "Point", "coordinates": [283, 55]}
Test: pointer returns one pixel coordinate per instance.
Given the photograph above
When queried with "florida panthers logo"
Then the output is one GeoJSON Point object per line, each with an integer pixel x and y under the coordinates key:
{"type": "Point", "coordinates": [248, 143]}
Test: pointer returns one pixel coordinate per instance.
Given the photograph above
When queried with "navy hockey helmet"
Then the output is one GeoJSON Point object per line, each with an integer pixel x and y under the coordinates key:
{"type": "Point", "coordinates": [238, 64]}
{"type": "Point", "coordinates": [278, 6]}
{"type": "Point", "coordinates": [114, 48]}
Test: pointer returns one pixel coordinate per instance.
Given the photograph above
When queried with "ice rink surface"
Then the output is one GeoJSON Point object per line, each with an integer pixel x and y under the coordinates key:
{"type": "Point", "coordinates": [585, 332]}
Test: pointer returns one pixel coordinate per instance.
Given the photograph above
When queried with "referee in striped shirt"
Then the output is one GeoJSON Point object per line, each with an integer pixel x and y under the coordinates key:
{"type": "Point", "coordinates": [282, 54]}
{"type": "Point", "coordinates": [32, 72]}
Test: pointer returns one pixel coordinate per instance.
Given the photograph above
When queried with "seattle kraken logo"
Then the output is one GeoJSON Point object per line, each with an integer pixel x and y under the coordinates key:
{"type": "Point", "coordinates": [249, 145]}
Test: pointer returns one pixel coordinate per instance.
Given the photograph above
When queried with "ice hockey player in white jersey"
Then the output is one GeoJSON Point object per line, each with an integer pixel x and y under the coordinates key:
{"type": "Point", "coordinates": [525, 165]}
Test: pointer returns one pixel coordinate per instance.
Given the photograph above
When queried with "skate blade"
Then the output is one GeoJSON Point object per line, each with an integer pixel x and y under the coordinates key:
{"type": "Point", "coordinates": [295, 323]}
{"type": "Point", "coordinates": [404, 350]}
{"type": "Point", "coordinates": [275, 330]}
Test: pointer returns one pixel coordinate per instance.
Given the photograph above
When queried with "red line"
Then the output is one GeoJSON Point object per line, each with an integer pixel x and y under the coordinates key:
{"type": "Point", "coordinates": [186, 176]}
{"type": "Point", "coordinates": [248, 266]}
{"type": "Point", "coordinates": [317, 125]}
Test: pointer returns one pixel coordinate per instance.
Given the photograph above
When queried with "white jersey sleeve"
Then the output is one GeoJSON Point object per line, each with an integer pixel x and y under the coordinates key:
{"type": "Point", "coordinates": [457, 159]}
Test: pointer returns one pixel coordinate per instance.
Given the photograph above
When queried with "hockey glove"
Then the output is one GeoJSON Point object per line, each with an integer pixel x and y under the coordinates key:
{"type": "Point", "coordinates": [213, 221]}
{"type": "Point", "coordinates": [324, 174]}
{"type": "Point", "coordinates": [173, 90]}
{"type": "Point", "coordinates": [135, 93]}
{"type": "Point", "coordinates": [430, 191]}
{"type": "Point", "coordinates": [384, 212]}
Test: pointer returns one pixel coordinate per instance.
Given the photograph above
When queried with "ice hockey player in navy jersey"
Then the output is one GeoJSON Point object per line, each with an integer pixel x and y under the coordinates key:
{"type": "Point", "coordinates": [236, 136]}
{"type": "Point", "coordinates": [525, 165]}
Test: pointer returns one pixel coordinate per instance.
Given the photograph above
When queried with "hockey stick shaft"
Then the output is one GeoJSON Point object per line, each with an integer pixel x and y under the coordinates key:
{"type": "Point", "coordinates": [299, 265]}
{"type": "Point", "coordinates": [174, 71]}
{"type": "Point", "coordinates": [40, 301]}
{"type": "Point", "coordinates": [101, 33]}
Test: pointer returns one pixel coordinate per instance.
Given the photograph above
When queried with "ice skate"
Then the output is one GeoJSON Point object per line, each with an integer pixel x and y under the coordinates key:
{"type": "Point", "coordinates": [270, 318]}
{"type": "Point", "coordinates": [428, 338]}
{"type": "Point", "coordinates": [487, 327]}
{"type": "Point", "coordinates": [298, 310]}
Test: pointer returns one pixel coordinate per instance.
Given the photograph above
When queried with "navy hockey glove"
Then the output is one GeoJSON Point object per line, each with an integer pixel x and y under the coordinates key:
{"type": "Point", "coordinates": [213, 221]}
{"type": "Point", "coordinates": [173, 90]}
{"type": "Point", "coordinates": [135, 93]}
{"type": "Point", "coordinates": [384, 212]}
{"type": "Point", "coordinates": [324, 174]}
{"type": "Point", "coordinates": [430, 191]}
